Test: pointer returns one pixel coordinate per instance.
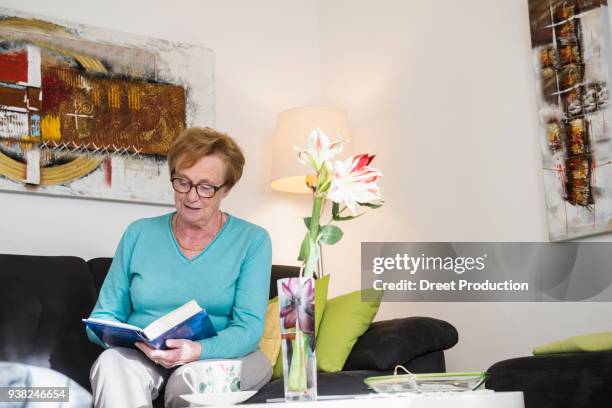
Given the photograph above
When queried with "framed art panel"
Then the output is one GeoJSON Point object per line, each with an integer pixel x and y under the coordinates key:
{"type": "Point", "coordinates": [91, 112]}
{"type": "Point", "coordinates": [572, 59]}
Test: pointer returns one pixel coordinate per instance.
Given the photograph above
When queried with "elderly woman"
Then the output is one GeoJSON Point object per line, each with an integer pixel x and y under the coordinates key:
{"type": "Point", "coordinates": [197, 252]}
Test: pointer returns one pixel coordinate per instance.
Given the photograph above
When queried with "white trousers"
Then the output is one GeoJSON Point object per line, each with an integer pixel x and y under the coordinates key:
{"type": "Point", "coordinates": [123, 377]}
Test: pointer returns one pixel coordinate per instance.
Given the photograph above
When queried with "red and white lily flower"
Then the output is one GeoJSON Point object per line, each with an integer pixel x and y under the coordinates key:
{"type": "Point", "coordinates": [355, 182]}
{"type": "Point", "coordinates": [346, 183]}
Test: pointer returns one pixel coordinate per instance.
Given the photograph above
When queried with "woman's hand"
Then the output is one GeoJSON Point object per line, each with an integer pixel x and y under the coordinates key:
{"type": "Point", "coordinates": [179, 352]}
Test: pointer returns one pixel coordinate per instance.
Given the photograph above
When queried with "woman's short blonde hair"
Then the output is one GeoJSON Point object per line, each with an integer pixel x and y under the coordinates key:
{"type": "Point", "coordinates": [194, 143]}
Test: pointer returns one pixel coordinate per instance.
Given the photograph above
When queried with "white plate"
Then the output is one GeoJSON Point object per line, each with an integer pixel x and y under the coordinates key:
{"type": "Point", "coordinates": [219, 399]}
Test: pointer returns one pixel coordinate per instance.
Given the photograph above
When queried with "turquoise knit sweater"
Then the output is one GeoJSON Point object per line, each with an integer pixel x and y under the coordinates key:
{"type": "Point", "coordinates": [150, 276]}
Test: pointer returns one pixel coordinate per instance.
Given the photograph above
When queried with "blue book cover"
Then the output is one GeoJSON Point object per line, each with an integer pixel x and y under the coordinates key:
{"type": "Point", "coordinates": [181, 323]}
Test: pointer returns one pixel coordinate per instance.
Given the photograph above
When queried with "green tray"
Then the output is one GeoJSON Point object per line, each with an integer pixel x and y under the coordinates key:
{"type": "Point", "coordinates": [432, 382]}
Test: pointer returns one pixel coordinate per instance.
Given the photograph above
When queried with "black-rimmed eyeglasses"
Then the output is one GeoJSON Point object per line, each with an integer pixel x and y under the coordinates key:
{"type": "Point", "coordinates": [203, 190]}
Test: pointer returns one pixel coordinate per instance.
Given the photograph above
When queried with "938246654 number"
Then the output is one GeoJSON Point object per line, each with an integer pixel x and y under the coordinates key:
{"type": "Point", "coordinates": [34, 394]}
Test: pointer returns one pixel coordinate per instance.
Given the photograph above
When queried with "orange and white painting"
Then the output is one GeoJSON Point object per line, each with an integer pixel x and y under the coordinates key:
{"type": "Point", "coordinates": [90, 112]}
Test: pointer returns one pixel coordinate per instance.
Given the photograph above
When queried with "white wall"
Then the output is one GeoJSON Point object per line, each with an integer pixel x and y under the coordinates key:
{"type": "Point", "coordinates": [441, 91]}
{"type": "Point", "coordinates": [444, 92]}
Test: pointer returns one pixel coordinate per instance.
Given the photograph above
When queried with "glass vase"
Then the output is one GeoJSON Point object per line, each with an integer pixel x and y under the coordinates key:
{"type": "Point", "coordinates": [297, 322]}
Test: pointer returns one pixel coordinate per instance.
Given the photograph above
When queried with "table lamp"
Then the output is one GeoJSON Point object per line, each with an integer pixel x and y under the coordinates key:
{"type": "Point", "coordinates": [293, 127]}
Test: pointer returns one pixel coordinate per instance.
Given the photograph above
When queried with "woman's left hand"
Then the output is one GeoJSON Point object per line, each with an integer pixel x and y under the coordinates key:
{"type": "Point", "coordinates": [179, 352]}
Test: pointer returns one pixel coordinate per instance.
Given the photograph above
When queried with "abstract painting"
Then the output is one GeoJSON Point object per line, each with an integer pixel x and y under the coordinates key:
{"type": "Point", "coordinates": [90, 112]}
{"type": "Point", "coordinates": [572, 59]}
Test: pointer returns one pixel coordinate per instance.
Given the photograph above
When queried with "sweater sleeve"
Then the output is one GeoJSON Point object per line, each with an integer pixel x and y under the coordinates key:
{"type": "Point", "coordinates": [252, 289]}
{"type": "Point", "coordinates": [114, 298]}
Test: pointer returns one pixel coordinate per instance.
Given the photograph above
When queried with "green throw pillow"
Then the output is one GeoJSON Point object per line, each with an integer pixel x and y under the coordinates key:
{"type": "Point", "coordinates": [277, 370]}
{"type": "Point", "coordinates": [577, 344]}
{"type": "Point", "coordinates": [321, 286]}
{"type": "Point", "coordinates": [345, 319]}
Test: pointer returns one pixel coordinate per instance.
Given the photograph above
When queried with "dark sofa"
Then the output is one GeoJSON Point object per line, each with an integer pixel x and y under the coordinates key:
{"type": "Point", "coordinates": [576, 380]}
{"type": "Point", "coordinates": [43, 299]}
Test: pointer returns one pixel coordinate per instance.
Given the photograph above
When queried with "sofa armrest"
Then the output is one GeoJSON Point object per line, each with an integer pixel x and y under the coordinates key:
{"type": "Point", "coordinates": [577, 380]}
{"type": "Point", "coordinates": [391, 342]}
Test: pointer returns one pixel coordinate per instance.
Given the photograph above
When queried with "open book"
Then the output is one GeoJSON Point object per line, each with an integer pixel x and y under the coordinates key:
{"type": "Point", "coordinates": [189, 322]}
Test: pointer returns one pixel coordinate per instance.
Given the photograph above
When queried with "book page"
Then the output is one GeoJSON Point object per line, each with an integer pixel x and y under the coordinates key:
{"type": "Point", "coordinates": [113, 323]}
{"type": "Point", "coordinates": [169, 320]}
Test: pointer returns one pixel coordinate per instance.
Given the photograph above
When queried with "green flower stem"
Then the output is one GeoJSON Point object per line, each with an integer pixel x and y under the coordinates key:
{"type": "Point", "coordinates": [297, 368]}
{"type": "Point", "coordinates": [313, 233]}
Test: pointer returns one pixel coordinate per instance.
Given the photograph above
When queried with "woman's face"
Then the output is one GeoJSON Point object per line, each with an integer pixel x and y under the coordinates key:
{"type": "Point", "coordinates": [189, 206]}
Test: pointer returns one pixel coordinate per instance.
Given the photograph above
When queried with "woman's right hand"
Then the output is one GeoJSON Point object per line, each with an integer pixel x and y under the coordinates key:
{"type": "Point", "coordinates": [179, 352]}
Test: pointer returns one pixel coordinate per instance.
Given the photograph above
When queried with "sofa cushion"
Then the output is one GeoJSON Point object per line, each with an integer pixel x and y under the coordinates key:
{"type": "Point", "coordinates": [391, 342]}
{"type": "Point", "coordinates": [99, 268]}
{"type": "Point", "coordinates": [345, 319]}
{"type": "Point", "coordinates": [270, 342]}
{"type": "Point", "coordinates": [44, 299]}
{"type": "Point", "coordinates": [584, 343]}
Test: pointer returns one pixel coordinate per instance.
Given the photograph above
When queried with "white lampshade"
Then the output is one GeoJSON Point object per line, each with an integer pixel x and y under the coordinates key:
{"type": "Point", "coordinates": [293, 127]}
